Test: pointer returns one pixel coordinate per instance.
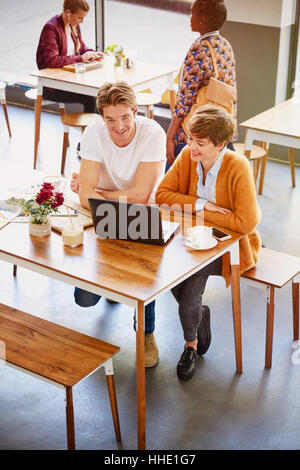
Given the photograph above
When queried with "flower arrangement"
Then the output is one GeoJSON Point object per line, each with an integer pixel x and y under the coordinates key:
{"type": "Point", "coordinates": [118, 53]}
{"type": "Point", "coordinates": [44, 203]}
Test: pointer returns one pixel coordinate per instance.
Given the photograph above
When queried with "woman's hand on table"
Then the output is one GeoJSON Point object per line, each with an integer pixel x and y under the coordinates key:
{"type": "Point", "coordinates": [92, 55]}
{"type": "Point", "coordinates": [210, 206]}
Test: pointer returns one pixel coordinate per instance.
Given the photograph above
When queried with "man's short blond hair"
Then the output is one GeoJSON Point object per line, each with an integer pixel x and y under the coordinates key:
{"type": "Point", "coordinates": [212, 122]}
{"type": "Point", "coordinates": [75, 5]}
{"type": "Point", "coordinates": [115, 93]}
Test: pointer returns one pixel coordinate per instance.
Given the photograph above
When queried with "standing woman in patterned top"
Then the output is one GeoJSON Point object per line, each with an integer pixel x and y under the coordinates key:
{"type": "Point", "coordinates": [207, 17]}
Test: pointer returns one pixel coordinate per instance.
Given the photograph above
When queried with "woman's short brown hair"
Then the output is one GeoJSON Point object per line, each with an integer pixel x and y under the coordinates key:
{"type": "Point", "coordinates": [212, 122]}
{"type": "Point", "coordinates": [115, 93]}
{"type": "Point", "coordinates": [75, 5]}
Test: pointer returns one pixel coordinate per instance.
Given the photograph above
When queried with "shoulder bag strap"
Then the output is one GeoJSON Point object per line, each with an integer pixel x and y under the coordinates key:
{"type": "Point", "coordinates": [213, 57]}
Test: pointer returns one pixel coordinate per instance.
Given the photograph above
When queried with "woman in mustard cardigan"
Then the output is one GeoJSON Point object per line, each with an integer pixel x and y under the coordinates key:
{"type": "Point", "coordinates": [209, 177]}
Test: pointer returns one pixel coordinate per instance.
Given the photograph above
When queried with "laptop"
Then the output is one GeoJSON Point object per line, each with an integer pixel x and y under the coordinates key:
{"type": "Point", "coordinates": [118, 220]}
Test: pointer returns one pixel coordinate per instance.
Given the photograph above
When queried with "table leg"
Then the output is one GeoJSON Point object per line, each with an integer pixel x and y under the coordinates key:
{"type": "Point", "coordinates": [140, 376]}
{"type": "Point", "coordinates": [38, 110]}
{"type": "Point", "coordinates": [292, 166]}
{"type": "Point", "coordinates": [236, 305]}
{"type": "Point", "coordinates": [70, 418]}
{"type": "Point", "coordinates": [263, 168]}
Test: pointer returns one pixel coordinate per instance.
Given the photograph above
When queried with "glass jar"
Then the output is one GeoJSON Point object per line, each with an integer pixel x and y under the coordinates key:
{"type": "Point", "coordinates": [40, 230]}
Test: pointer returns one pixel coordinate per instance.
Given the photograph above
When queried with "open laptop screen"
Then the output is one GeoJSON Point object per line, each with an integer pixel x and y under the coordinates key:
{"type": "Point", "coordinates": [126, 221]}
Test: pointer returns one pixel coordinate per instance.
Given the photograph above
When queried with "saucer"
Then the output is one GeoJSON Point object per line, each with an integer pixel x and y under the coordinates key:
{"type": "Point", "coordinates": [210, 244]}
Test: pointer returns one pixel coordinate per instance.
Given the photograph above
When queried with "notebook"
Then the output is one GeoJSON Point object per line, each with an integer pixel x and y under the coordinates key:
{"type": "Point", "coordinates": [118, 220]}
{"type": "Point", "coordinates": [88, 66]}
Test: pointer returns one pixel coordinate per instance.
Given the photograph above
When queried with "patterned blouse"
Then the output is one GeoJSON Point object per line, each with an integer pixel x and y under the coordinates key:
{"type": "Point", "coordinates": [197, 70]}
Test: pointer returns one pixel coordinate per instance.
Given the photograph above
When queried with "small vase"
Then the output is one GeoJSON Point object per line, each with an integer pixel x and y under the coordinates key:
{"type": "Point", "coordinates": [40, 230]}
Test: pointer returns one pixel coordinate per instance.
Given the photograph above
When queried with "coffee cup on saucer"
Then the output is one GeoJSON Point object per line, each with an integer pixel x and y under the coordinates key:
{"type": "Point", "coordinates": [199, 236]}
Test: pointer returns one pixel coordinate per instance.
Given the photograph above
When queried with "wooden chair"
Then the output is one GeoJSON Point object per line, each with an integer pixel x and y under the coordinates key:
{"type": "Point", "coordinates": [4, 106]}
{"type": "Point", "coordinates": [57, 355]}
{"type": "Point", "coordinates": [258, 156]}
{"type": "Point", "coordinates": [73, 120]}
{"type": "Point", "coordinates": [274, 270]}
{"type": "Point", "coordinates": [147, 100]}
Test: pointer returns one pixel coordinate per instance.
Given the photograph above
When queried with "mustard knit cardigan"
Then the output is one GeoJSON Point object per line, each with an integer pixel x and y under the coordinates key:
{"type": "Point", "coordinates": [235, 190]}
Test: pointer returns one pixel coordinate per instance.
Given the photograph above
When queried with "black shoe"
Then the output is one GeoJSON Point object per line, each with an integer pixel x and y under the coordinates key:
{"type": "Point", "coordinates": [186, 364]}
{"type": "Point", "coordinates": [203, 332]}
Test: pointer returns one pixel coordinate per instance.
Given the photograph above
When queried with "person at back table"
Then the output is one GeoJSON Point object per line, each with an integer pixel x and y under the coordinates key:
{"type": "Point", "coordinates": [123, 155]}
{"type": "Point", "coordinates": [207, 18]}
{"type": "Point", "coordinates": [209, 177]}
{"type": "Point", "coordinates": [61, 44]}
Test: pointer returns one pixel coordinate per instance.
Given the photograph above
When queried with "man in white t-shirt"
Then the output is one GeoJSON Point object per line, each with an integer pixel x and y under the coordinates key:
{"type": "Point", "coordinates": [122, 155]}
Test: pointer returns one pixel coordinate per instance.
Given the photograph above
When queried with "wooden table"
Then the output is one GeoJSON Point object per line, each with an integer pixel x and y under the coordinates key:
{"type": "Point", "coordinates": [128, 272]}
{"type": "Point", "coordinates": [142, 75]}
{"type": "Point", "coordinates": [278, 125]}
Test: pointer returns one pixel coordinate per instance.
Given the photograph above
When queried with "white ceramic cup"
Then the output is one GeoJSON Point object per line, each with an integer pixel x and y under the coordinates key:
{"type": "Point", "coordinates": [199, 235]}
{"type": "Point", "coordinates": [56, 181]}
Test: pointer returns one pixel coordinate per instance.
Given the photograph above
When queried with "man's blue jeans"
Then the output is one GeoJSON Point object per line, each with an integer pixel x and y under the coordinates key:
{"type": "Point", "coordinates": [88, 299]}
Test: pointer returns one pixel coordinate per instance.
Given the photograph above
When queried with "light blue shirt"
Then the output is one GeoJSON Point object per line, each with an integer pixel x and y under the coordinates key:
{"type": "Point", "coordinates": [207, 192]}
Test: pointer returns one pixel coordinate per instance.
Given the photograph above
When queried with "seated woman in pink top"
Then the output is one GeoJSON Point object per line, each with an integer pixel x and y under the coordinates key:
{"type": "Point", "coordinates": [61, 44]}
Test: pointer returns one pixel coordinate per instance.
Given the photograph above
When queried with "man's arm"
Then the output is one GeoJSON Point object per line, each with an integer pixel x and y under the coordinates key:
{"type": "Point", "coordinates": [88, 180]}
{"type": "Point", "coordinates": [146, 177]}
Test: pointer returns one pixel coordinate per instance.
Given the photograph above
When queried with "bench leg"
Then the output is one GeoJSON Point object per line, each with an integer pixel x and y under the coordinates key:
{"type": "Point", "coordinates": [269, 328]}
{"type": "Point", "coordinates": [295, 291]}
{"type": "Point", "coordinates": [113, 403]}
{"type": "Point", "coordinates": [70, 419]}
{"type": "Point", "coordinates": [15, 270]}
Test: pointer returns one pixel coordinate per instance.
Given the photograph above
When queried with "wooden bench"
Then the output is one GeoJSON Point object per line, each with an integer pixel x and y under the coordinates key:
{"type": "Point", "coordinates": [274, 270]}
{"type": "Point", "coordinates": [58, 355]}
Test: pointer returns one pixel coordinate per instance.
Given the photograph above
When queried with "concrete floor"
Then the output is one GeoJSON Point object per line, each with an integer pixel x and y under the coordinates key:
{"type": "Point", "coordinates": [217, 409]}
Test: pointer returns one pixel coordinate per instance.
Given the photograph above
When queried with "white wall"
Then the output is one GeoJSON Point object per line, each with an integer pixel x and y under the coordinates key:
{"type": "Point", "coordinates": [276, 13]}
